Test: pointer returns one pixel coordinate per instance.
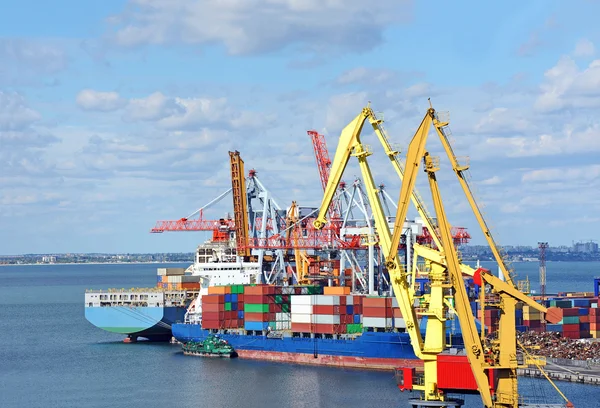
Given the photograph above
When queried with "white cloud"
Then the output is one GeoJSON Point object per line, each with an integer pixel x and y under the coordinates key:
{"type": "Point", "coordinates": [492, 181]}
{"type": "Point", "coordinates": [14, 114]}
{"type": "Point", "coordinates": [584, 48]}
{"type": "Point", "coordinates": [502, 120]}
{"type": "Point", "coordinates": [566, 86]}
{"type": "Point", "coordinates": [91, 100]}
{"type": "Point", "coordinates": [342, 108]}
{"type": "Point", "coordinates": [154, 107]}
{"type": "Point", "coordinates": [257, 26]}
{"type": "Point", "coordinates": [569, 140]}
{"type": "Point", "coordinates": [366, 75]}
{"type": "Point", "coordinates": [25, 62]}
{"type": "Point", "coordinates": [563, 175]}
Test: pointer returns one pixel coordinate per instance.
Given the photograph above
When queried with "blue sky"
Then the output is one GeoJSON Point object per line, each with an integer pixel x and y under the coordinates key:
{"type": "Point", "coordinates": [116, 114]}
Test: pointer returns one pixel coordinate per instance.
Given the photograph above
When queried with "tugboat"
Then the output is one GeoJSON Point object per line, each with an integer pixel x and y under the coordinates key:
{"type": "Point", "coordinates": [212, 346]}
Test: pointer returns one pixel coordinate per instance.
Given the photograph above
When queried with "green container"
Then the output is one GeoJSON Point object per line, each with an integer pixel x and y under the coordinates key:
{"type": "Point", "coordinates": [227, 306]}
{"type": "Point", "coordinates": [570, 320]}
{"type": "Point", "coordinates": [285, 308]}
{"type": "Point", "coordinates": [354, 328]}
{"type": "Point", "coordinates": [256, 308]}
{"type": "Point", "coordinates": [278, 299]}
{"type": "Point", "coordinates": [563, 304]}
{"type": "Point", "coordinates": [273, 325]}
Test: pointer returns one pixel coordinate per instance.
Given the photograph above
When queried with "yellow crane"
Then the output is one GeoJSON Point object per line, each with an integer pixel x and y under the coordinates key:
{"type": "Point", "coordinates": [500, 356]}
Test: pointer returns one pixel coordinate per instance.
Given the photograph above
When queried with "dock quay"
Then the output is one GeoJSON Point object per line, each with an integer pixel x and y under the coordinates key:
{"type": "Point", "coordinates": [579, 371]}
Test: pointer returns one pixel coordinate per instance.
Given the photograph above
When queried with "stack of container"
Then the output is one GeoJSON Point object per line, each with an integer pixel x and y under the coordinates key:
{"type": "Point", "coordinates": [221, 308]}
{"type": "Point", "coordinates": [176, 279]}
{"type": "Point", "coordinates": [532, 318]}
{"type": "Point", "coordinates": [594, 317]}
{"type": "Point", "coordinates": [258, 311]}
{"type": "Point", "coordinates": [326, 314]}
{"type": "Point", "coordinates": [382, 313]}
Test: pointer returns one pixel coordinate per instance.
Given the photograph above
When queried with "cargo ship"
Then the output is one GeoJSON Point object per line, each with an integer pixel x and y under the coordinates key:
{"type": "Point", "coordinates": [150, 312]}
{"type": "Point", "coordinates": [307, 325]}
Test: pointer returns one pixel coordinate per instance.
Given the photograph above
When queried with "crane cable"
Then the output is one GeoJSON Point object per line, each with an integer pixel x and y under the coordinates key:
{"type": "Point", "coordinates": [535, 362]}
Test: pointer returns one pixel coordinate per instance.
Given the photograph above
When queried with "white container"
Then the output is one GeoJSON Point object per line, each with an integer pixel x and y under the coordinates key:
{"type": "Point", "coordinates": [170, 271]}
{"type": "Point", "coordinates": [302, 309]}
{"type": "Point", "coordinates": [283, 325]}
{"type": "Point", "coordinates": [349, 300]}
{"type": "Point", "coordinates": [302, 318]}
{"type": "Point", "coordinates": [378, 322]}
{"type": "Point", "coordinates": [190, 278]}
{"type": "Point", "coordinates": [399, 323]}
{"type": "Point", "coordinates": [326, 319]}
{"type": "Point", "coordinates": [326, 300]}
{"type": "Point", "coordinates": [280, 317]}
{"type": "Point", "coordinates": [301, 299]}
{"type": "Point", "coordinates": [395, 302]}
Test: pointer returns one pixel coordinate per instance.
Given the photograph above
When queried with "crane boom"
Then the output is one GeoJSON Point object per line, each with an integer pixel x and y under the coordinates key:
{"type": "Point", "coordinates": [350, 145]}
{"type": "Point", "coordinates": [240, 204]}
{"type": "Point", "coordinates": [460, 170]}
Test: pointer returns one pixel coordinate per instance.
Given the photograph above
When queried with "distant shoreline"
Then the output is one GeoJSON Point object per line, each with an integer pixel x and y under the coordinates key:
{"type": "Point", "coordinates": [99, 263]}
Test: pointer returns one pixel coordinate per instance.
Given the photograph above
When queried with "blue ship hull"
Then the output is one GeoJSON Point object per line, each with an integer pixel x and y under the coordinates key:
{"type": "Point", "coordinates": [153, 323]}
{"type": "Point", "coordinates": [371, 350]}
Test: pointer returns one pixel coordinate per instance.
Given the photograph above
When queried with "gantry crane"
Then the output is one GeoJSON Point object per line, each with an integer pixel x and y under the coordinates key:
{"type": "Point", "coordinates": [493, 364]}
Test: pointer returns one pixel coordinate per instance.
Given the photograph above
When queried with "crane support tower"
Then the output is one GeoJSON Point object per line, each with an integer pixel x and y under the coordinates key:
{"type": "Point", "coordinates": [493, 361]}
{"type": "Point", "coordinates": [240, 205]}
{"type": "Point", "coordinates": [543, 246]}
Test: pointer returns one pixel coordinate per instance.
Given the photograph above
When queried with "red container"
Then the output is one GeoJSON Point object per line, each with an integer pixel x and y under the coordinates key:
{"type": "Point", "coordinates": [302, 327]}
{"type": "Point", "coordinates": [326, 328]}
{"type": "Point", "coordinates": [259, 317]}
{"type": "Point", "coordinates": [358, 300]}
{"type": "Point", "coordinates": [257, 299]}
{"type": "Point", "coordinates": [211, 324]}
{"type": "Point", "coordinates": [213, 299]}
{"type": "Point", "coordinates": [326, 310]}
{"type": "Point", "coordinates": [570, 334]}
{"type": "Point", "coordinates": [190, 285]}
{"type": "Point", "coordinates": [383, 302]}
{"type": "Point", "coordinates": [594, 311]}
{"type": "Point", "coordinates": [213, 307]}
{"type": "Point", "coordinates": [213, 316]}
{"type": "Point", "coordinates": [240, 298]}
{"type": "Point", "coordinates": [572, 311]}
{"type": "Point", "coordinates": [342, 300]}
{"type": "Point", "coordinates": [571, 327]}
{"type": "Point", "coordinates": [358, 309]}
{"type": "Point", "coordinates": [376, 312]}
{"type": "Point", "coordinates": [397, 313]}
{"type": "Point", "coordinates": [454, 372]}
{"type": "Point", "coordinates": [584, 319]}
{"type": "Point", "coordinates": [259, 290]}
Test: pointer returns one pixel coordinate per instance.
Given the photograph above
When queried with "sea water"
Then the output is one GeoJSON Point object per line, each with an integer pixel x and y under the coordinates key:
{"type": "Point", "coordinates": [50, 356]}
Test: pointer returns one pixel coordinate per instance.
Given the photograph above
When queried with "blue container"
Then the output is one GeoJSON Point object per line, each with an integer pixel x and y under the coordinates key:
{"type": "Point", "coordinates": [519, 313]}
{"type": "Point", "coordinates": [584, 327]}
{"type": "Point", "coordinates": [159, 279]}
{"type": "Point", "coordinates": [356, 318]}
{"type": "Point", "coordinates": [584, 311]}
{"type": "Point", "coordinates": [519, 321]}
{"type": "Point", "coordinates": [165, 285]}
{"type": "Point", "coordinates": [234, 306]}
{"type": "Point", "coordinates": [234, 297]}
{"type": "Point", "coordinates": [522, 329]}
{"type": "Point", "coordinates": [581, 303]}
{"type": "Point", "coordinates": [228, 297]}
{"type": "Point", "coordinates": [554, 327]}
{"type": "Point", "coordinates": [240, 314]}
{"type": "Point", "coordinates": [349, 309]}
{"type": "Point", "coordinates": [256, 325]}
